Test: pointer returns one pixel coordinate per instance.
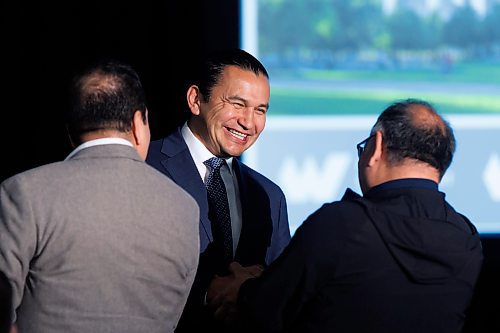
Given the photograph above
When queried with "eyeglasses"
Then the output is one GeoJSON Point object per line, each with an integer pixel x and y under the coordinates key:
{"type": "Point", "coordinates": [361, 146]}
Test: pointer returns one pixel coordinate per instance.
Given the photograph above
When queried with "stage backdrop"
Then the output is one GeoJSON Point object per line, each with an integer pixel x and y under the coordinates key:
{"type": "Point", "coordinates": [336, 64]}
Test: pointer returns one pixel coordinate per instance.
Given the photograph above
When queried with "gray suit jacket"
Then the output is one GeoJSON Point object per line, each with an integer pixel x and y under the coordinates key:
{"type": "Point", "coordinates": [101, 242]}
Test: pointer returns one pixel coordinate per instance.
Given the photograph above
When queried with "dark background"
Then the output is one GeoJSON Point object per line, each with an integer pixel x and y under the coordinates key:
{"type": "Point", "coordinates": [43, 43]}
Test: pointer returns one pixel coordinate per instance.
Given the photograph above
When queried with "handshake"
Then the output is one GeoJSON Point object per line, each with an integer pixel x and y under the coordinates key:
{"type": "Point", "coordinates": [222, 294]}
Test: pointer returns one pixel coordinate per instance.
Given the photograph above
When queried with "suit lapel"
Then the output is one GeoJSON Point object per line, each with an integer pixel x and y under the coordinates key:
{"type": "Point", "coordinates": [181, 169]}
{"type": "Point", "coordinates": [257, 224]}
{"type": "Point", "coordinates": [256, 230]}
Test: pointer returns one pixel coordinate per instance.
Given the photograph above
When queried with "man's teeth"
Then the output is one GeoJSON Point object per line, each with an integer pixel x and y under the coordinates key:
{"type": "Point", "coordinates": [237, 134]}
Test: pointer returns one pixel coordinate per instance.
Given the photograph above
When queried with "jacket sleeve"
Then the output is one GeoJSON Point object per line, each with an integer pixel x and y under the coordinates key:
{"type": "Point", "coordinates": [272, 302]}
{"type": "Point", "coordinates": [281, 233]}
{"type": "Point", "coordinates": [17, 235]}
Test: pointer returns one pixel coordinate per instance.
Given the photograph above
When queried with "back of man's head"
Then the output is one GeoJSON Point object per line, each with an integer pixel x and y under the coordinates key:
{"type": "Point", "coordinates": [412, 129]}
{"type": "Point", "coordinates": [105, 97]}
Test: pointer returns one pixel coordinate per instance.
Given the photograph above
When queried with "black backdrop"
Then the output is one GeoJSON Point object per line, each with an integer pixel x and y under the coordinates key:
{"type": "Point", "coordinates": [42, 44]}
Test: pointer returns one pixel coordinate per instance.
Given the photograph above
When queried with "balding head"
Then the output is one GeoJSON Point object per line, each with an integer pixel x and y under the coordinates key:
{"type": "Point", "coordinates": [413, 130]}
{"type": "Point", "coordinates": [105, 97]}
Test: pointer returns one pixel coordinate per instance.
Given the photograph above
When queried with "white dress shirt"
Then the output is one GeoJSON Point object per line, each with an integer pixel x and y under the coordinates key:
{"type": "Point", "coordinates": [200, 153]}
{"type": "Point", "coordinates": [97, 142]}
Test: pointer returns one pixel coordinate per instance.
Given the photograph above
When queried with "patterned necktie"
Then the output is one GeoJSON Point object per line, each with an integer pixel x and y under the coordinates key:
{"type": "Point", "coordinates": [219, 207]}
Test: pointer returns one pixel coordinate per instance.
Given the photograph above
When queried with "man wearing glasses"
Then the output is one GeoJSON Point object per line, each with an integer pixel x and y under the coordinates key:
{"type": "Point", "coordinates": [397, 259]}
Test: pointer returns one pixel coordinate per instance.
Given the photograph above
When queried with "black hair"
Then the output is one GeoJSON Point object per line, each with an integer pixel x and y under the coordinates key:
{"type": "Point", "coordinates": [213, 65]}
{"type": "Point", "coordinates": [105, 96]}
{"type": "Point", "coordinates": [408, 133]}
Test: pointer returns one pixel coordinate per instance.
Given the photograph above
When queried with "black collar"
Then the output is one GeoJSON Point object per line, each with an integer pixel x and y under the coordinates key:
{"type": "Point", "coordinates": [406, 182]}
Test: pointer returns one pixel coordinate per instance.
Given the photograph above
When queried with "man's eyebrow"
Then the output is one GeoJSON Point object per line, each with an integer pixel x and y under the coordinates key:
{"type": "Point", "coordinates": [245, 101]}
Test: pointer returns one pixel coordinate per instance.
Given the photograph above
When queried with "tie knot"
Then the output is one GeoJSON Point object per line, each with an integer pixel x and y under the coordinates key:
{"type": "Point", "coordinates": [214, 163]}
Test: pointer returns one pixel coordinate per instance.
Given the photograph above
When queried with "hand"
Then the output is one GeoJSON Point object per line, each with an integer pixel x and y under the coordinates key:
{"type": "Point", "coordinates": [223, 291]}
{"type": "Point", "coordinates": [254, 270]}
{"type": "Point", "coordinates": [216, 287]}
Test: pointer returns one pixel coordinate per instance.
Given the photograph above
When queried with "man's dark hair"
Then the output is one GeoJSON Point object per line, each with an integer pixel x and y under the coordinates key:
{"type": "Point", "coordinates": [211, 68]}
{"type": "Point", "coordinates": [5, 304]}
{"type": "Point", "coordinates": [105, 96]}
{"type": "Point", "coordinates": [413, 129]}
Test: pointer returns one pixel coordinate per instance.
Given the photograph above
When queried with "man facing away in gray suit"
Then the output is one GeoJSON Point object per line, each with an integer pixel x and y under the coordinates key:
{"type": "Point", "coordinates": [100, 242]}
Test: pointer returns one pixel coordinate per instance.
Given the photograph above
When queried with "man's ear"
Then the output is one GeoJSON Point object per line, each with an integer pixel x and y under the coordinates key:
{"type": "Point", "coordinates": [377, 149]}
{"type": "Point", "coordinates": [194, 99]}
{"type": "Point", "coordinates": [141, 135]}
{"type": "Point", "coordinates": [140, 129]}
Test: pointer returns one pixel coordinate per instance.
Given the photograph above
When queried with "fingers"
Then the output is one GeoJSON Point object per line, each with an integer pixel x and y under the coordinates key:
{"type": "Point", "coordinates": [249, 271]}
{"type": "Point", "coordinates": [255, 270]}
{"type": "Point", "coordinates": [217, 286]}
{"type": "Point", "coordinates": [223, 291]}
{"type": "Point", "coordinates": [216, 302]}
{"type": "Point", "coordinates": [235, 268]}
{"type": "Point", "coordinates": [227, 313]}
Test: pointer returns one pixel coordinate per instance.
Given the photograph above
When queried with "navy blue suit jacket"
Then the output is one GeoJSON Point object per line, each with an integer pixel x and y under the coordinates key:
{"type": "Point", "coordinates": [265, 231]}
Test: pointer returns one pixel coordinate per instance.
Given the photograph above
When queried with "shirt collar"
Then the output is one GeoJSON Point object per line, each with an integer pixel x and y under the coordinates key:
{"type": "Point", "coordinates": [406, 182]}
{"type": "Point", "coordinates": [199, 152]}
{"type": "Point", "coordinates": [98, 142]}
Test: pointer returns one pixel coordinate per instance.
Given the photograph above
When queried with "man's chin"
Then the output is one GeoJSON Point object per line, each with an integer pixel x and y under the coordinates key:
{"type": "Point", "coordinates": [235, 152]}
{"type": "Point", "coordinates": [236, 155]}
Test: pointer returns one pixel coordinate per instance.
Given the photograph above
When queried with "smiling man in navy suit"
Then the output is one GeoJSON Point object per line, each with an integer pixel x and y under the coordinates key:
{"type": "Point", "coordinates": [228, 104]}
